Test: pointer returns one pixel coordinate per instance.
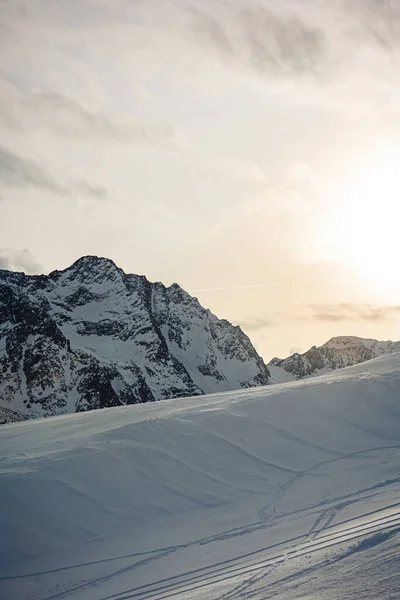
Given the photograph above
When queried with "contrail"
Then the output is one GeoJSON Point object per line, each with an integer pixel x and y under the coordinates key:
{"type": "Point", "coordinates": [232, 288]}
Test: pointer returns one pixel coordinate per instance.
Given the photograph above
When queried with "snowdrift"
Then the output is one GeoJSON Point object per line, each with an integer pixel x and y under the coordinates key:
{"type": "Point", "coordinates": [203, 496]}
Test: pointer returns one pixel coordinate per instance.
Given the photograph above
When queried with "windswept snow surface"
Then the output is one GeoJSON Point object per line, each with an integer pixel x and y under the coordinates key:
{"type": "Point", "coordinates": [287, 491]}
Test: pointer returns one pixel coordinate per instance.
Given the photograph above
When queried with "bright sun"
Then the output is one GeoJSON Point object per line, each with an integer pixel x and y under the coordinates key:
{"type": "Point", "coordinates": [366, 224]}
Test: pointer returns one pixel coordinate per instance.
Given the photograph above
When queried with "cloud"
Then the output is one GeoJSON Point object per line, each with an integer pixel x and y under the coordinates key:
{"type": "Point", "coordinates": [61, 114]}
{"type": "Point", "coordinates": [256, 324]}
{"type": "Point", "coordinates": [250, 286]}
{"type": "Point", "coordinates": [17, 171]}
{"type": "Point", "coordinates": [74, 119]}
{"type": "Point", "coordinates": [98, 192]}
{"type": "Point", "coordinates": [331, 313]}
{"type": "Point", "coordinates": [19, 260]}
{"type": "Point", "coordinates": [212, 30]}
{"type": "Point", "coordinates": [255, 35]}
{"type": "Point", "coordinates": [355, 312]}
{"type": "Point", "coordinates": [379, 20]}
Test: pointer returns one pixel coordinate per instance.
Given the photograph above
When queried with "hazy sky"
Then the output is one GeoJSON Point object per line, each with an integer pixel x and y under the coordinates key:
{"type": "Point", "coordinates": [248, 150]}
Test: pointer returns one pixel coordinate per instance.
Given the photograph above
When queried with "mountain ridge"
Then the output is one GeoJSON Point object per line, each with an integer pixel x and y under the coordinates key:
{"type": "Point", "coordinates": [337, 353]}
{"type": "Point", "coordinates": [91, 336]}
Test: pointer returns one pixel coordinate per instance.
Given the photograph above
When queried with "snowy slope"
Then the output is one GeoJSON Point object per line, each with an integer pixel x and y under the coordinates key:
{"type": "Point", "coordinates": [92, 336]}
{"type": "Point", "coordinates": [285, 491]}
{"type": "Point", "coordinates": [338, 352]}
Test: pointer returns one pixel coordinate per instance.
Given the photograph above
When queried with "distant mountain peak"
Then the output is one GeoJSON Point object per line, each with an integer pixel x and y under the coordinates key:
{"type": "Point", "coordinates": [346, 340]}
{"type": "Point", "coordinates": [336, 353]}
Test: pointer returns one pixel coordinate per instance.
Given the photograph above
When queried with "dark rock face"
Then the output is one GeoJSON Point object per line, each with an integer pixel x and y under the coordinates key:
{"type": "Point", "coordinates": [337, 353]}
{"type": "Point", "coordinates": [92, 337]}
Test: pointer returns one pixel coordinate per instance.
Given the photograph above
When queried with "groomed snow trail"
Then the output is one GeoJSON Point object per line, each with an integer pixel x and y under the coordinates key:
{"type": "Point", "coordinates": [288, 491]}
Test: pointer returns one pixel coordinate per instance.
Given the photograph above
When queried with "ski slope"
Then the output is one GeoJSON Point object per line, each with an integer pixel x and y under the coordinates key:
{"type": "Point", "coordinates": [286, 491]}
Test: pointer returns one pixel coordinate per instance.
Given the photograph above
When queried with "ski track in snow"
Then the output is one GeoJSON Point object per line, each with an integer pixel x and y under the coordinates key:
{"type": "Point", "coordinates": [319, 525]}
{"type": "Point", "coordinates": [224, 573]}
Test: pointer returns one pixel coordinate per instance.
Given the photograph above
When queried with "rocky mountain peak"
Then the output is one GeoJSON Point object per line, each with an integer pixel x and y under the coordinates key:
{"type": "Point", "coordinates": [91, 336]}
{"type": "Point", "coordinates": [91, 261]}
{"type": "Point", "coordinates": [90, 269]}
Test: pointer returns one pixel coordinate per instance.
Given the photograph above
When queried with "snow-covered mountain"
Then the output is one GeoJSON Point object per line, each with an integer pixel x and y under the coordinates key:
{"type": "Point", "coordinates": [338, 352]}
{"type": "Point", "coordinates": [91, 336]}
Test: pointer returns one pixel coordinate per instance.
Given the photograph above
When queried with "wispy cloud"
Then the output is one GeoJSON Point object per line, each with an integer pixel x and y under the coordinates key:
{"type": "Point", "coordinates": [256, 324]}
{"type": "Point", "coordinates": [264, 39]}
{"type": "Point", "coordinates": [17, 171]}
{"type": "Point", "coordinates": [76, 120]}
{"type": "Point", "coordinates": [92, 190]}
{"type": "Point", "coordinates": [330, 313]}
{"type": "Point", "coordinates": [66, 116]}
{"type": "Point", "coordinates": [354, 312]}
{"type": "Point", "coordinates": [234, 288]}
{"type": "Point", "coordinates": [379, 21]}
{"type": "Point", "coordinates": [292, 39]}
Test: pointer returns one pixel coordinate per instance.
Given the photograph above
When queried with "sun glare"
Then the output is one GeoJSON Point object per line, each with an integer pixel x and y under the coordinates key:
{"type": "Point", "coordinates": [365, 229]}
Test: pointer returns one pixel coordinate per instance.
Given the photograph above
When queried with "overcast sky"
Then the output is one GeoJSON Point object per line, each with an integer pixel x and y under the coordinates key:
{"type": "Point", "coordinates": [247, 150]}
